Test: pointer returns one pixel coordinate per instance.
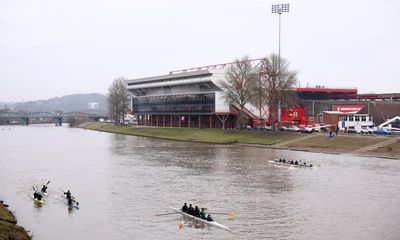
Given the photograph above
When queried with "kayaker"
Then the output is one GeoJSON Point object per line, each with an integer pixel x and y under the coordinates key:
{"type": "Point", "coordinates": [68, 195]}
{"type": "Point", "coordinates": [196, 211]}
{"type": "Point", "coordinates": [209, 218]}
{"type": "Point", "coordinates": [184, 208]}
{"type": "Point", "coordinates": [39, 196]}
{"type": "Point", "coordinates": [44, 189]}
{"type": "Point", "coordinates": [202, 214]}
{"type": "Point", "coordinates": [190, 209]}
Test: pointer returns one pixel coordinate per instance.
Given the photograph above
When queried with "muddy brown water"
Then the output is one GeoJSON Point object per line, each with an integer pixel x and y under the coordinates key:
{"type": "Point", "coordinates": [122, 181]}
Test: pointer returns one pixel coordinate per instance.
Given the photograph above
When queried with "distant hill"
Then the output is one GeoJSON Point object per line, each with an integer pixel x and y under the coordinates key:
{"type": "Point", "coordinates": [93, 102]}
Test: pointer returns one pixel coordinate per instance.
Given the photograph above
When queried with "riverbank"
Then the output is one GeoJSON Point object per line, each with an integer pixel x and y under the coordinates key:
{"type": "Point", "coordinates": [8, 225]}
{"type": "Point", "coordinates": [316, 142]}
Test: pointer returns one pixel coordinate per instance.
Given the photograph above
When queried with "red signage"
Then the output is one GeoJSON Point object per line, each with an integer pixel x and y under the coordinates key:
{"type": "Point", "coordinates": [347, 108]}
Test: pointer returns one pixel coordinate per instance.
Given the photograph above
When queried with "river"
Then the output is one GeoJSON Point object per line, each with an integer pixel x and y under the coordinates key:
{"type": "Point", "coordinates": [122, 181]}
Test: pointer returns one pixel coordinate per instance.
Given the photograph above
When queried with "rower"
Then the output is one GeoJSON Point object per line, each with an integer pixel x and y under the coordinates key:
{"type": "Point", "coordinates": [190, 209]}
{"type": "Point", "coordinates": [35, 194]}
{"type": "Point", "coordinates": [196, 211]}
{"type": "Point", "coordinates": [280, 159]}
{"type": "Point", "coordinates": [310, 165]}
{"type": "Point", "coordinates": [44, 189]}
{"type": "Point", "coordinates": [209, 218]}
{"type": "Point", "coordinates": [296, 162]}
{"type": "Point", "coordinates": [184, 208]}
{"type": "Point", "coordinates": [202, 214]}
{"type": "Point", "coordinates": [284, 160]}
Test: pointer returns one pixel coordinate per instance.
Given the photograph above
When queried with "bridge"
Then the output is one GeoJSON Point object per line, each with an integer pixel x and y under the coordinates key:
{"type": "Point", "coordinates": [25, 118]}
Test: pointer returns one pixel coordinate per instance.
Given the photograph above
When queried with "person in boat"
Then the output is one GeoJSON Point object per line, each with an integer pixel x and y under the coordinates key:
{"type": "Point", "coordinates": [209, 218]}
{"type": "Point", "coordinates": [184, 208]}
{"type": "Point", "coordinates": [296, 162]}
{"type": "Point", "coordinates": [202, 214]}
{"type": "Point", "coordinates": [44, 189]}
{"type": "Point", "coordinates": [280, 159]}
{"type": "Point", "coordinates": [291, 162]}
{"type": "Point", "coordinates": [190, 209]}
{"type": "Point", "coordinates": [284, 160]}
{"type": "Point", "coordinates": [304, 163]}
{"type": "Point", "coordinates": [39, 196]}
{"type": "Point", "coordinates": [68, 195]}
{"type": "Point", "coordinates": [310, 165]}
{"type": "Point", "coordinates": [35, 194]}
{"type": "Point", "coordinates": [196, 211]}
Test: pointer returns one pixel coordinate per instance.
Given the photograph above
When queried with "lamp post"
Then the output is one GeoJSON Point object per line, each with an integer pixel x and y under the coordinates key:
{"type": "Point", "coordinates": [279, 8]}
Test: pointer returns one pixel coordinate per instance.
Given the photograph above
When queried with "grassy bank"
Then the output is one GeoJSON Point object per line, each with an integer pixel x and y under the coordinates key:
{"type": "Point", "coordinates": [220, 136]}
{"type": "Point", "coordinates": [8, 226]}
{"type": "Point", "coordinates": [340, 143]}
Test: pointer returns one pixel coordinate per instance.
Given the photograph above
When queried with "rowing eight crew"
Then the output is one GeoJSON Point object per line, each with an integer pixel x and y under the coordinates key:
{"type": "Point", "coordinates": [196, 212]}
{"type": "Point", "coordinates": [294, 162]}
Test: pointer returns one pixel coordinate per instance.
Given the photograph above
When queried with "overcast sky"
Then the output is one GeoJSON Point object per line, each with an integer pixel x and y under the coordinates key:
{"type": "Point", "coordinates": [50, 48]}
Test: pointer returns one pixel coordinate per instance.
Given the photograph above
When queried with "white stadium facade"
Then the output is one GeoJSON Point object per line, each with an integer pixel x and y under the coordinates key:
{"type": "Point", "coordinates": [188, 98]}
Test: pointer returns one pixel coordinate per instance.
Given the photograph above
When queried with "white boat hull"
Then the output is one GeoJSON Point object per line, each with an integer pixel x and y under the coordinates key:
{"type": "Point", "coordinates": [213, 223]}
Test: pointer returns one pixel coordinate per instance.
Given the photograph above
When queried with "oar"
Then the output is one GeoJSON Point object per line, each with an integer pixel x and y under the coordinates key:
{"type": "Point", "coordinates": [162, 214]}
{"type": "Point", "coordinates": [231, 214]}
{"type": "Point", "coordinates": [47, 183]}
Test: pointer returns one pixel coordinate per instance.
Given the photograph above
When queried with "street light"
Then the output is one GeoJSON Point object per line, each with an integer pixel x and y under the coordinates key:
{"type": "Point", "coordinates": [279, 8]}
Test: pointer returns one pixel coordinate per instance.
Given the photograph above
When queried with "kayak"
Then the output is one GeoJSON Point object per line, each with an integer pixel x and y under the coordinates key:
{"type": "Point", "coordinates": [38, 201]}
{"type": "Point", "coordinates": [73, 205]}
{"type": "Point", "coordinates": [213, 223]}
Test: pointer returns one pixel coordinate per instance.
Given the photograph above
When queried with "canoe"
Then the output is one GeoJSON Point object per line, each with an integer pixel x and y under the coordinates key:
{"type": "Point", "coordinates": [213, 223]}
{"type": "Point", "coordinates": [38, 201]}
{"type": "Point", "coordinates": [276, 162]}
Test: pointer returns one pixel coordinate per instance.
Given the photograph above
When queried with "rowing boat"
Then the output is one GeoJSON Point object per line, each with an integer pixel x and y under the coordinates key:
{"type": "Point", "coordinates": [276, 162]}
{"type": "Point", "coordinates": [213, 223]}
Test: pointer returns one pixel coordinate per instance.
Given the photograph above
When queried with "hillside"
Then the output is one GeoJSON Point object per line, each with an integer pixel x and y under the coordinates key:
{"type": "Point", "coordinates": [68, 103]}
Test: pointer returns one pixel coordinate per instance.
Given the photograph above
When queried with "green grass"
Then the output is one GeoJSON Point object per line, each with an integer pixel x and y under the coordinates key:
{"type": "Point", "coordinates": [8, 228]}
{"type": "Point", "coordinates": [344, 142]}
{"type": "Point", "coordinates": [221, 136]}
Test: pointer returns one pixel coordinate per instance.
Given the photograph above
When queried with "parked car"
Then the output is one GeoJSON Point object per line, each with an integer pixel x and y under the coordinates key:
{"type": "Point", "coordinates": [382, 132]}
{"type": "Point", "coordinates": [282, 129]}
{"type": "Point", "coordinates": [317, 129]}
{"type": "Point", "coordinates": [263, 128]}
{"type": "Point", "coordinates": [294, 129]}
{"type": "Point", "coordinates": [306, 130]}
{"type": "Point", "coordinates": [367, 130]}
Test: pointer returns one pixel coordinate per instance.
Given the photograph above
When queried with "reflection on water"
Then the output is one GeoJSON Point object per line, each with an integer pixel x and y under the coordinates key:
{"type": "Point", "coordinates": [123, 181]}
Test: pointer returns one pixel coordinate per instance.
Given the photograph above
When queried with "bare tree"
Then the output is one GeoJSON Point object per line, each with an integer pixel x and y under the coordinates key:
{"type": "Point", "coordinates": [237, 87]}
{"type": "Point", "coordinates": [277, 83]}
{"type": "Point", "coordinates": [118, 100]}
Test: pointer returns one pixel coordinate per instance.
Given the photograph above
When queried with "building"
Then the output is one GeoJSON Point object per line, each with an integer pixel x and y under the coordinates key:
{"type": "Point", "coordinates": [190, 99]}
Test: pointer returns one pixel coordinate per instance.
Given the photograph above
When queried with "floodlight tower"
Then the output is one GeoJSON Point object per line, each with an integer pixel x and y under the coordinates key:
{"type": "Point", "coordinates": [280, 8]}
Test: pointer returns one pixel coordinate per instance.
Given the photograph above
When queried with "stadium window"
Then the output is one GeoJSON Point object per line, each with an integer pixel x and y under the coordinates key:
{"type": "Point", "coordinates": [357, 118]}
{"type": "Point", "coordinates": [363, 118]}
{"type": "Point", "coordinates": [351, 118]}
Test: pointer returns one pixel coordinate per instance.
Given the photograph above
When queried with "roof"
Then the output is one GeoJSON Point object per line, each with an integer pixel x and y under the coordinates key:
{"type": "Point", "coordinates": [161, 78]}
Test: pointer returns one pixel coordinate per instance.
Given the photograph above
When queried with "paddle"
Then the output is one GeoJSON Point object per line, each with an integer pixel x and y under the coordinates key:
{"type": "Point", "coordinates": [162, 214]}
